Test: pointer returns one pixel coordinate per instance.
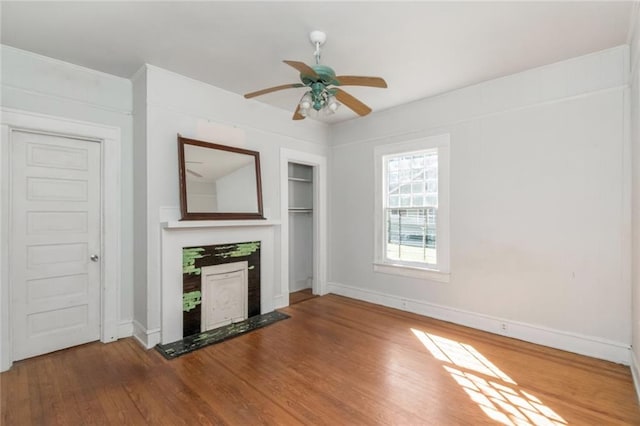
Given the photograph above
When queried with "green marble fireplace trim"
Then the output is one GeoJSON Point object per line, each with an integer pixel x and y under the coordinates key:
{"type": "Point", "coordinates": [201, 340]}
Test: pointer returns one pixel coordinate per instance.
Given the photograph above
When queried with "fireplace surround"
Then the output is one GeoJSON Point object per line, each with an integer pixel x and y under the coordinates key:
{"type": "Point", "coordinates": [189, 234]}
{"type": "Point", "coordinates": [221, 284]}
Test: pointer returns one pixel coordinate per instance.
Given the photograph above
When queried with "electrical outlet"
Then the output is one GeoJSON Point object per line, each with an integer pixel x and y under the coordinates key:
{"type": "Point", "coordinates": [504, 328]}
{"type": "Point", "coordinates": [403, 304]}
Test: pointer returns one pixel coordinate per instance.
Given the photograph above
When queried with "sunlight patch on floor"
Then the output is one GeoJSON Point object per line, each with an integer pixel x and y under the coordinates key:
{"type": "Point", "coordinates": [496, 394]}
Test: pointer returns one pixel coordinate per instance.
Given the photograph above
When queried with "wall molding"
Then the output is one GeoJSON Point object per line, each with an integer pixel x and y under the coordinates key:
{"type": "Point", "coordinates": [281, 301]}
{"type": "Point", "coordinates": [92, 88]}
{"type": "Point", "coordinates": [67, 99]}
{"type": "Point", "coordinates": [60, 62]}
{"type": "Point", "coordinates": [125, 329]}
{"type": "Point", "coordinates": [212, 118]}
{"type": "Point", "coordinates": [572, 342]}
{"type": "Point", "coordinates": [147, 338]}
{"type": "Point", "coordinates": [444, 126]}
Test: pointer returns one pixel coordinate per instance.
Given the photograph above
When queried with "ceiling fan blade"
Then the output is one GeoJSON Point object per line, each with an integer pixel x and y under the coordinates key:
{"type": "Point", "coordinates": [194, 173]}
{"type": "Point", "coordinates": [356, 80]}
{"type": "Point", "coordinates": [297, 115]}
{"type": "Point", "coordinates": [351, 102]}
{"type": "Point", "coordinates": [302, 68]}
{"type": "Point", "coordinates": [273, 89]}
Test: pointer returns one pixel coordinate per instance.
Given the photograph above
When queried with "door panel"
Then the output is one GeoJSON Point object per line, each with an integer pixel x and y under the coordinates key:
{"type": "Point", "coordinates": [55, 216]}
{"type": "Point", "coordinates": [47, 189]}
{"type": "Point", "coordinates": [45, 289]}
{"type": "Point", "coordinates": [48, 223]}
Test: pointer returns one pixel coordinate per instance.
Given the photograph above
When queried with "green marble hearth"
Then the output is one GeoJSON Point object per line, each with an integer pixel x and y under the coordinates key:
{"type": "Point", "coordinates": [200, 340]}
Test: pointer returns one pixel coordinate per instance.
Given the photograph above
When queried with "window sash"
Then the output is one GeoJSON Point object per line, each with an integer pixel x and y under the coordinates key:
{"type": "Point", "coordinates": [411, 235]}
{"type": "Point", "coordinates": [410, 208]}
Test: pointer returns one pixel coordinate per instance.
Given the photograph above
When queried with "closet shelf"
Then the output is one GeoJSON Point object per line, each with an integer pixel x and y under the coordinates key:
{"type": "Point", "coordinates": [300, 209]}
{"type": "Point", "coordinates": [295, 179]}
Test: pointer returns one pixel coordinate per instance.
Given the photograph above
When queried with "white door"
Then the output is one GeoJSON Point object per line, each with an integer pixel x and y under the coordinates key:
{"type": "Point", "coordinates": [55, 242]}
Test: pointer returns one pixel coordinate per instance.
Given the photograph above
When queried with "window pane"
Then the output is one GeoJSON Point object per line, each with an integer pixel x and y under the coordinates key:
{"type": "Point", "coordinates": [431, 186]}
{"type": "Point", "coordinates": [410, 217]}
{"type": "Point", "coordinates": [411, 235]}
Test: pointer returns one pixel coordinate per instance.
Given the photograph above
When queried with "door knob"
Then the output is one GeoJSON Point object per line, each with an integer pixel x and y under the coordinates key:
{"type": "Point", "coordinates": [94, 257]}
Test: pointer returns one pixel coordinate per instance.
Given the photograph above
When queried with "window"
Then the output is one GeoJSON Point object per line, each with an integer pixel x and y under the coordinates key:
{"type": "Point", "coordinates": [412, 208]}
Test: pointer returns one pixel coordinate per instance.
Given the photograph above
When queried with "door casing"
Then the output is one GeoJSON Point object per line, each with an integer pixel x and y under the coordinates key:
{"type": "Point", "coordinates": [110, 142]}
{"type": "Point", "coordinates": [319, 165]}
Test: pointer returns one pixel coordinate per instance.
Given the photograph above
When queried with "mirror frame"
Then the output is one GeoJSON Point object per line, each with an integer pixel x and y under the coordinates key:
{"type": "Point", "coordinates": [186, 215]}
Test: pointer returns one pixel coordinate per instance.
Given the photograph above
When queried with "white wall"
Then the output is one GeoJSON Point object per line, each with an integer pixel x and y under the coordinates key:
{"type": "Point", "coordinates": [140, 259]}
{"type": "Point", "coordinates": [540, 194]}
{"type": "Point", "coordinates": [43, 85]}
{"type": "Point", "coordinates": [634, 83]}
{"type": "Point", "coordinates": [300, 251]}
{"type": "Point", "coordinates": [177, 104]}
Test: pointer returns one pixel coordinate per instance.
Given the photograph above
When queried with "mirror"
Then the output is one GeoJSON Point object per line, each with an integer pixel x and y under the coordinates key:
{"type": "Point", "coordinates": [218, 181]}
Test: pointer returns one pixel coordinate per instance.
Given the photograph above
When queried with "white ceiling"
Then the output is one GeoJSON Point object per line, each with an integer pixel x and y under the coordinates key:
{"type": "Point", "coordinates": [420, 48]}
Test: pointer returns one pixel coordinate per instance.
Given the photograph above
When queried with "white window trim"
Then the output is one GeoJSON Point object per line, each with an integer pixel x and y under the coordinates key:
{"type": "Point", "coordinates": [380, 264]}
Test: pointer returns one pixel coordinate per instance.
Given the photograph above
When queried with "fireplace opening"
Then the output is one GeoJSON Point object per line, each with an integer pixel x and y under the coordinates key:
{"type": "Point", "coordinates": [224, 295]}
{"type": "Point", "coordinates": [221, 285]}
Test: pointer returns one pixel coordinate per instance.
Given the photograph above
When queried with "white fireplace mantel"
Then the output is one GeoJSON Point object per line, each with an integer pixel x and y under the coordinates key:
{"type": "Point", "coordinates": [179, 234]}
{"type": "Point", "coordinates": [185, 224]}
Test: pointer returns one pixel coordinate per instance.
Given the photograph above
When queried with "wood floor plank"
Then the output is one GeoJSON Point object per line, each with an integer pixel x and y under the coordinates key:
{"type": "Point", "coordinates": [301, 296]}
{"type": "Point", "coordinates": [335, 361]}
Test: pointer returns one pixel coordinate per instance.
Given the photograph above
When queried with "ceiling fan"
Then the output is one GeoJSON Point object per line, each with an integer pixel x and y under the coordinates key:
{"type": "Point", "coordinates": [324, 86]}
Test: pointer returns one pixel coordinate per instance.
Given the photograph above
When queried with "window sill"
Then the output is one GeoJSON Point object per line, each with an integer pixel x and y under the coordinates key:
{"type": "Point", "coordinates": [413, 272]}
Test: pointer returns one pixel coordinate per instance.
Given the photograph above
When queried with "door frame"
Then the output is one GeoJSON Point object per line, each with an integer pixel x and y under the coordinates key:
{"type": "Point", "coordinates": [319, 165]}
{"type": "Point", "coordinates": [110, 213]}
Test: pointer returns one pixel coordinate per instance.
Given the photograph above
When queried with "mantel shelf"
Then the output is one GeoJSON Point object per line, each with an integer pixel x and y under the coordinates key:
{"type": "Point", "coordinates": [190, 224]}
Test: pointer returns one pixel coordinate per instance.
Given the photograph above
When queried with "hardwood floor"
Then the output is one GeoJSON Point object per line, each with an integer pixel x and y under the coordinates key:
{"type": "Point", "coordinates": [300, 296]}
{"type": "Point", "coordinates": [335, 361]}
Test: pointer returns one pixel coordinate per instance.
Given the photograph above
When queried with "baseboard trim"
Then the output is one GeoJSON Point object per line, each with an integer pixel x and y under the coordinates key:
{"type": "Point", "coordinates": [147, 338]}
{"type": "Point", "coordinates": [571, 342]}
{"type": "Point", "coordinates": [125, 329]}
{"type": "Point", "coordinates": [635, 373]}
{"type": "Point", "coordinates": [281, 301]}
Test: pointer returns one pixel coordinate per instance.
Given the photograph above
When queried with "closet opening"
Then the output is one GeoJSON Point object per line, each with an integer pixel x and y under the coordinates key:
{"type": "Point", "coordinates": [301, 187]}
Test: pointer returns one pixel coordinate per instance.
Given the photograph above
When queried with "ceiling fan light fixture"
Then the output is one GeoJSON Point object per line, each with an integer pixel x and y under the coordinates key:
{"type": "Point", "coordinates": [332, 104]}
{"type": "Point", "coordinates": [306, 101]}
